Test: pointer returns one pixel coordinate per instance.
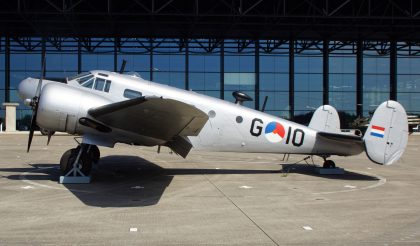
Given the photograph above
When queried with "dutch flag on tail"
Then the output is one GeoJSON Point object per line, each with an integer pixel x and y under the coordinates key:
{"type": "Point", "coordinates": [377, 131]}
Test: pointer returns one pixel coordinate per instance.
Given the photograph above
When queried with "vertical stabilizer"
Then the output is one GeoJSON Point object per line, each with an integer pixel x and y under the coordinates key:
{"type": "Point", "coordinates": [325, 119]}
{"type": "Point", "coordinates": [387, 134]}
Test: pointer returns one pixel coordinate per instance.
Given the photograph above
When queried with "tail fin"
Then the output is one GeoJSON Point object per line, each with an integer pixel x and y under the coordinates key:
{"type": "Point", "coordinates": [325, 119]}
{"type": "Point", "coordinates": [387, 134]}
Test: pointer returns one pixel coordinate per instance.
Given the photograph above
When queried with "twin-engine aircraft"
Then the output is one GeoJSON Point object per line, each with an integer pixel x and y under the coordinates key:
{"type": "Point", "coordinates": [106, 108]}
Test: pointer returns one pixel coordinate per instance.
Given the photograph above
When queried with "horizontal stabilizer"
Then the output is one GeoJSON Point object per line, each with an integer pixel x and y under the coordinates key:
{"type": "Point", "coordinates": [338, 144]}
{"type": "Point", "coordinates": [341, 137]}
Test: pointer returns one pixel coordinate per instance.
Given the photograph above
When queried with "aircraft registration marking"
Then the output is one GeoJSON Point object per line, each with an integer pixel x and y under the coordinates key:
{"type": "Point", "coordinates": [275, 132]}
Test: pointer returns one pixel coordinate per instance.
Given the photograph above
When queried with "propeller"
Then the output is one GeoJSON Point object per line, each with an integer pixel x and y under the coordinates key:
{"type": "Point", "coordinates": [50, 133]}
{"type": "Point", "coordinates": [34, 105]}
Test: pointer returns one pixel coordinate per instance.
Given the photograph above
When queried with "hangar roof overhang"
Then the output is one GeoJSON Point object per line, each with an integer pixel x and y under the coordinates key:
{"type": "Point", "coordinates": [251, 19]}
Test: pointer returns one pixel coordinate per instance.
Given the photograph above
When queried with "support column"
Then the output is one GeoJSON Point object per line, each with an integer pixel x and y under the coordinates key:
{"type": "Point", "coordinates": [325, 73]}
{"type": "Point", "coordinates": [10, 116]}
{"type": "Point", "coordinates": [43, 54]}
{"type": "Point", "coordinates": [393, 71]}
{"type": "Point", "coordinates": [187, 65]}
{"type": "Point", "coordinates": [222, 70]}
{"type": "Point", "coordinates": [291, 79]}
{"type": "Point", "coordinates": [79, 56]}
{"type": "Point", "coordinates": [257, 74]}
{"type": "Point", "coordinates": [7, 71]}
{"type": "Point", "coordinates": [151, 59]}
{"type": "Point", "coordinates": [116, 44]}
{"type": "Point", "coordinates": [359, 78]}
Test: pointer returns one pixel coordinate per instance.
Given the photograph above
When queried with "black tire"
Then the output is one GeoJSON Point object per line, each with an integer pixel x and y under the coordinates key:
{"type": "Point", "coordinates": [64, 162]}
{"type": "Point", "coordinates": [94, 153]}
{"type": "Point", "coordinates": [329, 164]}
{"type": "Point", "coordinates": [68, 158]}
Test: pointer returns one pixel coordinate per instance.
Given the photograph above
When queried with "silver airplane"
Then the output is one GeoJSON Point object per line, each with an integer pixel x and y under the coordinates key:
{"type": "Point", "coordinates": [106, 108]}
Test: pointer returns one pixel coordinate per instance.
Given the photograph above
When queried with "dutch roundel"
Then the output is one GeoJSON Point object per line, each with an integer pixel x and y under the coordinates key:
{"type": "Point", "coordinates": [274, 132]}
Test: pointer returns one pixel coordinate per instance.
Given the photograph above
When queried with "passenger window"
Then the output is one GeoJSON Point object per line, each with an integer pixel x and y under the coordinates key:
{"type": "Point", "coordinates": [107, 85]}
{"type": "Point", "coordinates": [131, 94]}
{"type": "Point", "coordinates": [99, 84]}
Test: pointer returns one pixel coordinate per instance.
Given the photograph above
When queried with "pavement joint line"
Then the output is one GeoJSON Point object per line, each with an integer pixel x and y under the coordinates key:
{"type": "Point", "coordinates": [243, 212]}
{"type": "Point", "coordinates": [380, 182]}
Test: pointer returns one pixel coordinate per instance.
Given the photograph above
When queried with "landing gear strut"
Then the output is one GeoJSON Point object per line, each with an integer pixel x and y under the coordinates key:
{"type": "Point", "coordinates": [76, 163]}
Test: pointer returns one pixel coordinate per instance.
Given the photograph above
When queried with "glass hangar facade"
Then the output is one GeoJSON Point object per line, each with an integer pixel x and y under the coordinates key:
{"type": "Point", "coordinates": [297, 76]}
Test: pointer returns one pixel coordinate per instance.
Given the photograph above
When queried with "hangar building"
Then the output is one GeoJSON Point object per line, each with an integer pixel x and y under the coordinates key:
{"type": "Point", "coordinates": [352, 54]}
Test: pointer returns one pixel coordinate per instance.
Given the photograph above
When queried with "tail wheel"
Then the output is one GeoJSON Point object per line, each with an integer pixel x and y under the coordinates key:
{"type": "Point", "coordinates": [329, 164]}
{"type": "Point", "coordinates": [68, 158]}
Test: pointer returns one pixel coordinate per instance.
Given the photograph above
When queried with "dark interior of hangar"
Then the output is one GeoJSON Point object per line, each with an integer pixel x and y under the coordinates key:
{"type": "Point", "coordinates": [261, 19]}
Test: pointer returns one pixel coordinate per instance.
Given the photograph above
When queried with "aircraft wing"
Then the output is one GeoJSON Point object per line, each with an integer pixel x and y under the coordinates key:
{"type": "Point", "coordinates": [159, 118]}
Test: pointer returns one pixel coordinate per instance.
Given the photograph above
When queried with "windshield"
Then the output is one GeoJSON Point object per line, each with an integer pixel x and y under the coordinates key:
{"type": "Point", "coordinates": [78, 76]}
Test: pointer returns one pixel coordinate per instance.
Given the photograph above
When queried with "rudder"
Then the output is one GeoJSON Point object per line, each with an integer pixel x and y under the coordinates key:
{"type": "Point", "coordinates": [387, 134]}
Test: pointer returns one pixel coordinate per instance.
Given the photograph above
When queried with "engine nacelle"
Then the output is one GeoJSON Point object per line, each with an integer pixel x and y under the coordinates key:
{"type": "Point", "coordinates": [61, 106]}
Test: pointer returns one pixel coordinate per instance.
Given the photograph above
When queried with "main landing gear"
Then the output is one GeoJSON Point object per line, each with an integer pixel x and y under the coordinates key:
{"type": "Point", "coordinates": [76, 163]}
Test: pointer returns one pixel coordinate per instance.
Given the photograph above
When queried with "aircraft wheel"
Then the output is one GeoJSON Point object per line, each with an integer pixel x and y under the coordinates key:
{"type": "Point", "coordinates": [329, 164]}
{"type": "Point", "coordinates": [68, 158]}
{"type": "Point", "coordinates": [94, 153]}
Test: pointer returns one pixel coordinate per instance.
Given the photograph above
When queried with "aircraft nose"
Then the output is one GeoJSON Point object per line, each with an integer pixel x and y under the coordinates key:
{"type": "Point", "coordinates": [27, 88]}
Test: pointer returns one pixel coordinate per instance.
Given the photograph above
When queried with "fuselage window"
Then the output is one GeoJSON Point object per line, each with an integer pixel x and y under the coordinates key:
{"type": "Point", "coordinates": [131, 94]}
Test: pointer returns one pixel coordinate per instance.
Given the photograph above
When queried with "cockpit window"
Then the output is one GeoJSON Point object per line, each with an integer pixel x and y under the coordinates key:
{"type": "Point", "coordinates": [84, 79]}
{"type": "Point", "coordinates": [88, 83]}
{"type": "Point", "coordinates": [102, 84]}
{"type": "Point", "coordinates": [107, 85]}
{"type": "Point", "coordinates": [78, 76]}
{"type": "Point", "coordinates": [99, 84]}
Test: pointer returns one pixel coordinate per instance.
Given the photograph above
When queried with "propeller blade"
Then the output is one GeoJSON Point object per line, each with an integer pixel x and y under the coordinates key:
{"type": "Point", "coordinates": [50, 133]}
{"type": "Point", "coordinates": [38, 89]}
{"type": "Point", "coordinates": [35, 102]}
{"type": "Point", "coordinates": [32, 129]}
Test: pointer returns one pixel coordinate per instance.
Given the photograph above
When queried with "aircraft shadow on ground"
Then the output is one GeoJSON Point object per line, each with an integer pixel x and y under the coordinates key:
{"type": "Point", "coordinates": [131, 181]}
{"type": "Point", "coordinates": [310, 170]}
{"type": "Point", "coordinates": [119, 181]}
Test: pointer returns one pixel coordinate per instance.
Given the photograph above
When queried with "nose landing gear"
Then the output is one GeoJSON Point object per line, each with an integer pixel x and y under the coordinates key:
{"type": "Point", "coordinates": [76, 163]}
